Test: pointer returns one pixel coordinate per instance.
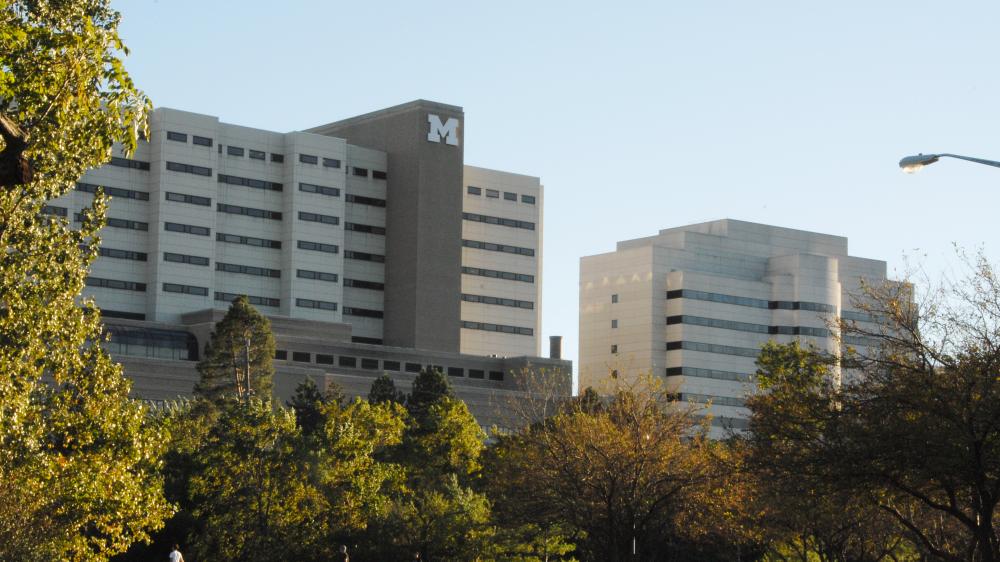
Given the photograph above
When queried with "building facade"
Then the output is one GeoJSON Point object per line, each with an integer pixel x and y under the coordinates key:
{"type": "Point", "coordinates": [371, 231]}
{"type": "Point", "coordinates": [694, 305]}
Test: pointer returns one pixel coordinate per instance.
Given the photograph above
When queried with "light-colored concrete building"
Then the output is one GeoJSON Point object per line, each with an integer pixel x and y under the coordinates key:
{"type": "Point", "coordinates": [370, 232]}
{"type": "Point", "coordinates": [694, 304]}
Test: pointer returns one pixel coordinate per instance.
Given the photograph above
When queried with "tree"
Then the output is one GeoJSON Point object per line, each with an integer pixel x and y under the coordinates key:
{"type": "Point", "coordinates": [309, 405]}
{"type": "Point", "coordinates": [384, 390]}
{"type": "Point", "coordinates": [238, 357]}
{"type": "Point", "coordinates": [637, 469]}
{"type": "Point", "coordinates": [78, 462]}
{"type": "Point", "coordinates": [913, 429]}
{"type": "Point", "coordinates": [429, 387]}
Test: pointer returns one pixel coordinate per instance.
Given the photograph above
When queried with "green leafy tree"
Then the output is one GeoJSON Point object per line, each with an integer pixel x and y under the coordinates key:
{"type": "Point", "coordinates": [309, 405]}
{"type": "Point", "coordinates": [383, 389]}
{"type": "Point", "coordinates": [78, 462]}
{"type": "Point", "coordinates": [238, 357]}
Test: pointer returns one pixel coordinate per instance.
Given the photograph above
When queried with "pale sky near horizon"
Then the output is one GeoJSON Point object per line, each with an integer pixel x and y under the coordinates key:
{"type": "Point", "coordinates": [637, 116]}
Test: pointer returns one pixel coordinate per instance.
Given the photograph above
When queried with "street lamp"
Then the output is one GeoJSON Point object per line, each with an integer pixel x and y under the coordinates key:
{"type": "Point", "coordinates": [913, 164]}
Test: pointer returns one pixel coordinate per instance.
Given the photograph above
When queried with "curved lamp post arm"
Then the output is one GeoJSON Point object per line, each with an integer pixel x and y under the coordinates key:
{"type": "Point", "coordinates": [912, 164]}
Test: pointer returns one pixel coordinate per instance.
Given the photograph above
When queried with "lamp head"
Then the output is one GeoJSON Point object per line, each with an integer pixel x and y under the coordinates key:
{"type": "Point", "coordinates": [913, 164]}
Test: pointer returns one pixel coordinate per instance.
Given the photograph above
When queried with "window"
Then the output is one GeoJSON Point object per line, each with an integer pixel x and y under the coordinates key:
{"type": "Point", "coordinates": [121, 254]}
{"type": "Point", "coordinates": [258, 301]}
{"type": "Point", "coordinates": [322, 359]}
{"type": "Point", "coordinates": [492, 193]}
{"type": "Point", "coordinates": [614, 298]}
{"type": "Point", "coordinates": [201, 141]}
{"type": "Point", "coordinates": [185, 289]}
{"type": "Point", "coordinates": [390, 365]}
{"type": "Point", "coordinates": [114, 191]}
{"type": "Point", "coordinates": [363, 339]}
{"type": "Point", "coordinates": [712, 348]}
{"type": "Point", "coordinates": [277, 158]}
{"type": "Point", "coordinates": [487, 327]}
{"type": "Point", "coordinates": [345, 361]}
{"type": "Point", "coordinates": [115, 284]}
{"type": "Point", "coordinates": [366, 228]}
{"type": "Point", "coordinates": [234, 151]}
{"type": "Point", "coordinates": [316, 217]}
{"type": "Point", "coordinates": [257, 154]}
{"type": "Point", "coordinates": [129, 163]}
{"type": "Point", "coordinates": [369, 363]}
{"type": "Point", "coordinates": [192, 199]}
{"type": "Point", "coordinates": [379, 174]}
{"type": "Point", "coordinates": [477, 374]}
{"type": "Point", "coordinates": [314, 304]}
{"type": "Point", "coordinates": [316, 275]}
{"type": "Point", "coordinates": [362, 200]}
{"type": "Point", "coordinates": [359, 284]}
{"type": "Point", "coordinates": [707, 373]}
{"type": "Point", "coordinates": [250, 182]}
{"type": "Point", "coordinates": [498, 301]}
{"type": "Point", "coordinates": [318, 247]}
{"type": "Point", "coordinates": [413, 367]}
{"type": "Point", "coordinates": [614, 348]}
{"type": "Point", "coordinates": [280, 354]}
{"type": "Point", "coordinates": [330, 163]}
{"type": "Point", "coordinates": [364, 256]}
{"type": "Point", "coordinates": [308, 159]}
{"type": "Point", "coordinates": [360, 172]}
{"type": "Point", "coordinates": [149, 342]}
{"type": "Point", "coordinates": [513, 223]}
{"type": "Point", "coordinates": [248, 241]}
{"type": "Point", "coordinates": [496, 375]}
{"type": "Point", "coordinates": [614, 323]}
{"type": "Point", "coordinates": [364, 312]}
{"type": "Point", "coordinates": [121, 314]}
{"type": "Point", "coordinates": [506, 275]}
{"type": "Point", "coordinates": [189, 169]}
{"type": "Point", "coordinates": [184, 258]}
{"type": "Point", "coordinates": [456, 372]}
{"type": "Point", "coordinates": [302, 356]}
{"type": "Point", "coordinates": [473, 190]}
{"type": "Point", "coordinates": [492, 247]}
{"type": "Point", "coordinates": [529, 199]}
{"type": "Point", "coordinates": [508, 196]}
{"type": "Point", "coordinates": [322, 190]}
{"type": "Point", "coordinates": [179, 137]}
{"type": "Point", "coordinates": [248, 211]}
{"type": "Point", "coordinates": [247, 269]}
{"type": "Point", "coordinates": [186, 228]}
{"type": "Point", "coordinates": [55, 210]}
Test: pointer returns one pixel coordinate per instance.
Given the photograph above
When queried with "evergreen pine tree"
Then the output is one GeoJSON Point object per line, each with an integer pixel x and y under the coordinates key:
{"type": "Point", "coordinates": [429, 388]}
{"type": "Point", "coordinates": [310, 404]}
{"type": "Point", "coordinates": [238, 357]}
{"type": "Point", "coordinates": [384, 390]}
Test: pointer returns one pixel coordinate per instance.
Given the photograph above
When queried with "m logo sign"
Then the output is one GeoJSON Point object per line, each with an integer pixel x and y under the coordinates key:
{"type": "Point", "coordinates": [447, 130]}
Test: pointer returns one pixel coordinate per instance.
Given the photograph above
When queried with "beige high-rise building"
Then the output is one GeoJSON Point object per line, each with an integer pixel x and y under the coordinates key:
{"type": "Point", "coordinates": [693, 305]}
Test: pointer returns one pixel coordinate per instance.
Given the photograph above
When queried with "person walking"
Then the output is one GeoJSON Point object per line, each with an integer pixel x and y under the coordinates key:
{"type": "Point", "coordinates": [341, 555]}
{"type": "Point", "coordinates": [175, 554]}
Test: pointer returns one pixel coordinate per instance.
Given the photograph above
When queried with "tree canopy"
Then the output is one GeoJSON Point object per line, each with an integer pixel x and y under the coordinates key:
{"type": "Point", "coordinates": [238, 361]}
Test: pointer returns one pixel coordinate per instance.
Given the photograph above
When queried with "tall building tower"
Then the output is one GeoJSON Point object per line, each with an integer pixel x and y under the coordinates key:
{"type": "Point", "coordinates": [694, 305]}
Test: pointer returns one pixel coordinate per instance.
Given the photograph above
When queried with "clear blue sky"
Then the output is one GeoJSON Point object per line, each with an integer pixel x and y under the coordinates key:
{"type": "Point", "coordinates": [636, 115]}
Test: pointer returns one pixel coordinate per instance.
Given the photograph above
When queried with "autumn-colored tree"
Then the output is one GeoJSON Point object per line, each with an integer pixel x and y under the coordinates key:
{"type": "Point", "coordinates": [78, 463]}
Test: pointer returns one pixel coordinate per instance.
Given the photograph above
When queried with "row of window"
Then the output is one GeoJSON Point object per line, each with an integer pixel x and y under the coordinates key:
{"type": "Point", "coordinates": [748, 327]}
{"type": "Point", "coordinates": [254, 300]}
{"type": "Point", "coordinates": [386, 365]}
{"type": "Point", "coordinates": [319, 305]}
{"type": "Point", "coordinates": [248, 211]}
{"type": "Point", "coordinates": [184, 258]}
{"type": "Point", "coordinates": [492, 273]}
{"type": "Point", "coordinates": [363, 200]}
{"type": "Point", "coordinates": [129, 163]}
{"type": "Point", "coordinates": [316, 275]}
{"type": "Point", "coordinates": [483, 299]}
{"type": "Point", "coordinates": [495, 194]}
{"type": "Point", "coordinates": [856, 316]}
{"type": "Point", "coordinates": [366, 228]}
{"type": "Point", "coordinates": [707, 398]}
{"type": "Point", "coordinates": [361, 284]}
{"type": "Point", "coordinates": [115, 284]}
{"type": "Point", "coordinates": [320, 189]}
{"type": "Point", "coordinates": [182, 137]}
{"type": "Point", "coordinates": [251, 182]}
{"type": "Point", "coordinates": [121, 254]}
{"type": "Point", "coordinates": [150, 342]}
{"type": "Point", "coordinates": [187, 228]}
{"type": "Point", "coordinates": [363, 312]}
{"type": "Point", "coordinates": [751, 302]}
{"type": "Point", "coordinates": [189, 169]}
{"type": "Point", "coordinates": [713, 348]}
{"type": "Point", "coordinates": [190, 199]}
{"type": "Point", "coordinates": [364, 256]}
{"type": "Point", "coordinates": [316, 217]}
{"type": "Point", "coordinates": [311, 159]}
{"type": "Point", "coordinates": [707, 374]}
{"type": "Point", "coordinates": [248, 240]}
{"type": "Point", "coordinates": [113, 191]}
{"type": "Point", "coordinates": [498, 247]}
{"type": "Point", "coordinates": [487, 327]}
{"type": "Point", "coordinates": [247, 269]}
{"type": "Point", "coordinates": [254, 154]}
{"type": "Point", "coordinates": [185, 289]}
{"type": "Point", "coordinates": [363, 173]}
{"type": "Point", "coordinates": [513, 223]}
{"type": "Point", "coordinates": [318, 247]}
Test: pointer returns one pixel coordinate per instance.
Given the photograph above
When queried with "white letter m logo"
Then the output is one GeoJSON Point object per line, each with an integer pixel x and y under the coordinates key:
{"type": "Point", "coordinates": [447, 131]}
